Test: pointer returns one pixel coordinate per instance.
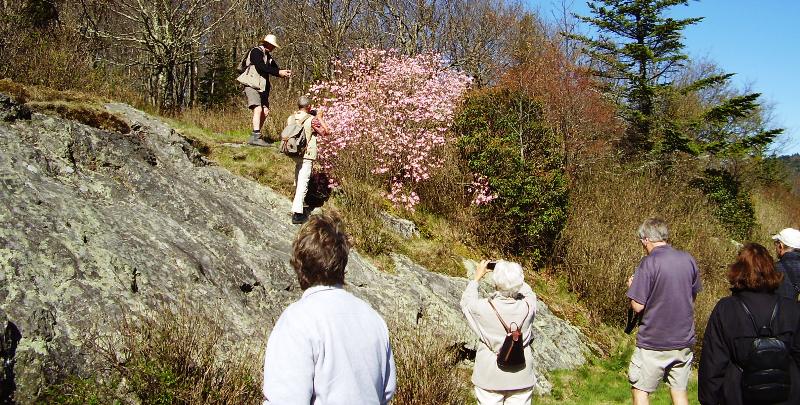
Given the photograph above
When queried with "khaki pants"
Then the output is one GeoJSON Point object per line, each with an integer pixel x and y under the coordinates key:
{"type": "Point", "coordinates": [649, 367]}
{"type": "Point", "coordinates": [302, 173]}
{"type": "Point", "coordinates": [256, 98]}
{"type": "Point", "coordinates": [515, 397]}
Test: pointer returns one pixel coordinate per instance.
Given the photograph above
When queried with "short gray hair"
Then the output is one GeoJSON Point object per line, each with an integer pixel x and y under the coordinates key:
{"type": "Point", "coordinates": [303, 102]}
{"type": "Point", "coordinates": [654, 230]}
{"type": "Point", "coordinates": [508, 278]}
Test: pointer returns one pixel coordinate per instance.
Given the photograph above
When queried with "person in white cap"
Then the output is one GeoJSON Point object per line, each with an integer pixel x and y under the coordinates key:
{"type": "Point", "coordinates": [515, 303]}
{"type": "Point", "coordinates": [258, 101]}
{"type": "Point", "coordinates": [787, 247]}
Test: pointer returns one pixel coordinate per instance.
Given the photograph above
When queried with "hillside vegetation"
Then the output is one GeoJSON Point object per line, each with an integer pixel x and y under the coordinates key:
{"type": "Point", "coordinates": [496, 133]}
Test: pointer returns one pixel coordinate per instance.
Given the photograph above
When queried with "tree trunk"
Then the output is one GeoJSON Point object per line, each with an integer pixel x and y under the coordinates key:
{"type": "Point", "coordinates": [193, 83]}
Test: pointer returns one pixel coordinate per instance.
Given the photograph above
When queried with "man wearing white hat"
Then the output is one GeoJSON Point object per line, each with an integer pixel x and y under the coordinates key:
{"type": "Point", "coordinates": [787, 246]}
{"type": "Point", "coordinates": [258, 99]}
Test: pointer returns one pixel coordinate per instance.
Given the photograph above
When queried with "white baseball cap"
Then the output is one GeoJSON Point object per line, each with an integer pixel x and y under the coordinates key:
{"type": "Point", "coordinates": [789, 237]}
{"type": "Point", "coordinates": [270, 39]}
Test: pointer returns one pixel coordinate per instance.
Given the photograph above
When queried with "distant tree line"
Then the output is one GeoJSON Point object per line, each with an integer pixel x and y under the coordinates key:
{"type": "Point", "coordinates": [179, 53]}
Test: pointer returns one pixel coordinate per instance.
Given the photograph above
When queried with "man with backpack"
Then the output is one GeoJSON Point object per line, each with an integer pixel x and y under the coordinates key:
{"type": "Point", "coordinates": [299, 141]}
{"type": "Point", "coordinates": [787, 246]}
{"type": "Point", "coordinates": [663, 288]}
{"type": "Point", "coordinates": [257, 93]}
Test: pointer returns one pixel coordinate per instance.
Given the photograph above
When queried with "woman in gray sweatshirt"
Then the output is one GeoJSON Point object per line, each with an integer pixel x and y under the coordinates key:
{"type": "Point", "coordinates": [515, 303]}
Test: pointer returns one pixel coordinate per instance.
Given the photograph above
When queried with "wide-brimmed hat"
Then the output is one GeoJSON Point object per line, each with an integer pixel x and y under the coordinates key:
{"type": "Point", "coordinates": [270, 39]}
{"type": "Point", "coordinates": [789, 237]}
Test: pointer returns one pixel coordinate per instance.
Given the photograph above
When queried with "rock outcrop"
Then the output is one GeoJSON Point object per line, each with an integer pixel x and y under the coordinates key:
{"type": "Point", "coordinates": [94, 224]}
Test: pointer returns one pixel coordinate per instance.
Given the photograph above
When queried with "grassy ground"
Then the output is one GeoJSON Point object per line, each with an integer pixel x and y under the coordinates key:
{"type": "Point", "coordinates": [604, 381]}
{"type": "Point", "coordinates": [228, 149]}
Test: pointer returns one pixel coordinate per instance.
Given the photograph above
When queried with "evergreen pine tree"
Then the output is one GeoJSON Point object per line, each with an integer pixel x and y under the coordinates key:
{"type": "Point", "coordinates": [731, 126]}
{"type": "Point", "coordinates": [218, 83]}
{"type": "Point", "coordinates": [637, 50]}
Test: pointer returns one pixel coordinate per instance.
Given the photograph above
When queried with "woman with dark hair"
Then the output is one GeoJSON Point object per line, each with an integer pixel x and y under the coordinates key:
{"type": "Point", "coordinates": [328, 347]}
{"type": "Point", "coordinates": [753, 310]}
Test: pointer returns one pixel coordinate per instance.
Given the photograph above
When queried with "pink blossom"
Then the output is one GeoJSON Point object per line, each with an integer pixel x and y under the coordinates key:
{"type": "Point", "coordinates": [480, 190]}
{"type": "Point", "coordinates": [395, 112]}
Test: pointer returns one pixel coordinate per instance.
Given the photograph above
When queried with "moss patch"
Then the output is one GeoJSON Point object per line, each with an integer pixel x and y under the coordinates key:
{"type": "Point", "coordinates": [71, 105]}
{"type": "Point", "coordinates": [15, 90]}
{"type": "Point", "coordinates": [93, 116]}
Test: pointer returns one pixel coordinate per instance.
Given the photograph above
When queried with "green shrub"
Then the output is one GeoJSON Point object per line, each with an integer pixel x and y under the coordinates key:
{"type": "Point", "coordinates": [732, 205]}
{"type": "Point", "coordinates": [503, 138]}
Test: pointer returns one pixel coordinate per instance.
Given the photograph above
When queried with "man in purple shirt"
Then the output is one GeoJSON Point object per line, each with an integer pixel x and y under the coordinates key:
{"type": "Point", "coordinates": [663, 290]}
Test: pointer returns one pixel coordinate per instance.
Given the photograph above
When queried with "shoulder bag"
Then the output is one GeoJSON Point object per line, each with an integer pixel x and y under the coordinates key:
{"type": "Point", "coordinates": [250, 76]}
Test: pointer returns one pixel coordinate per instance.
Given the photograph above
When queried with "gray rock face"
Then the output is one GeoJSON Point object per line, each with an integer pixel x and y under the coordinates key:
{"type": "Point", "coordinates": [403, 227]}
{"type": "Point", "coordinates": [94, 224]}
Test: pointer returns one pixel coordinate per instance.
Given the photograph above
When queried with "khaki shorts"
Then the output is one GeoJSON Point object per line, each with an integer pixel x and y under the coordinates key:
{"type": "Point", "coordinates": [256, 98]}
{"type": "Point", "coordinates": [649, 367]}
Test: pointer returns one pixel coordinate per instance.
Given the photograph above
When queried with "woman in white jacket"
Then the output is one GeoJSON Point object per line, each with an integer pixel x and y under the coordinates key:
{"type": "Point", "coordinates": [514, 302]}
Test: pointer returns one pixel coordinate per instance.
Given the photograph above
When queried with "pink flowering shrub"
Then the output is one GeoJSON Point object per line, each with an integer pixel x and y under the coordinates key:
{"type": "Point", "coordinates": [393, 113]}
{"type": "Point", "coordinates": [480, 190]}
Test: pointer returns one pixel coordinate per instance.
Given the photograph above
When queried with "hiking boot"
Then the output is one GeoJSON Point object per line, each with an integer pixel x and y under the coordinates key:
{"type": "Point", "coordinates": [255, 140]}
{"type": "Point", "coordinates": [298, 218]}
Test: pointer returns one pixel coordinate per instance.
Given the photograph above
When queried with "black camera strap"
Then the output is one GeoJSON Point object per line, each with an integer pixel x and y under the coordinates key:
{"type": "Point", "coordinates": [634, 318]}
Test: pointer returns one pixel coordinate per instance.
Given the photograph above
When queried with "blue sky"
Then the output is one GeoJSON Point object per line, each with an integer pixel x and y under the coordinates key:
{"type": "Point", "coordinates": [757, 40]}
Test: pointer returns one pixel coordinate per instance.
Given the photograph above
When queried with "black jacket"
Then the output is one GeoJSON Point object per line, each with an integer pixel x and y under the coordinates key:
{"type": "Point", "coordinates": [727, 341]}
{"type": "Point", "coordinates": [789, 265]}
{"type": "Point", "coordinates": [265, 69]}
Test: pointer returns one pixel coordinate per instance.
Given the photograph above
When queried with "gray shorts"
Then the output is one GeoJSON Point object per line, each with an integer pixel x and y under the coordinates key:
{"type": "Point", "coordinates": [649, 367]}
{"type": "Point", "coordinates": [256, 98]}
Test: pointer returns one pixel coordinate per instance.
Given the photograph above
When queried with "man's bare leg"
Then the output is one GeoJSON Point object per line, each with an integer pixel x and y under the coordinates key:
{"type": "Point", "coordinates": [640, 397]}
{"type": "Point", "coordinates": [258, 121]}
{"type": "Point", "coordinates": [679, 397]}
{"type": "Point", "coordinates": [258, 114]}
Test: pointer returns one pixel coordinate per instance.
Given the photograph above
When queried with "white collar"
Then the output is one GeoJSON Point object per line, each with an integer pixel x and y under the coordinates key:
{"type": "Point", "coordinates": [319, 288]}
